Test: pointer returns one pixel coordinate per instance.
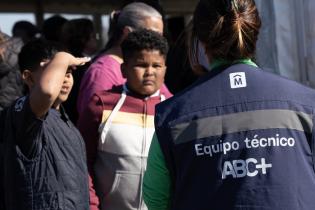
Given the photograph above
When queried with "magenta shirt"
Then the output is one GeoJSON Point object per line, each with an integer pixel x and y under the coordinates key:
{"type": "Point", "coordinates": [103, 74]}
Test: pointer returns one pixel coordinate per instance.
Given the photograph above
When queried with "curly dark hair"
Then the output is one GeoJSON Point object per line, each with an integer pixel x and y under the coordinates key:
{"type": "Point", "coordinates": [144, 39]}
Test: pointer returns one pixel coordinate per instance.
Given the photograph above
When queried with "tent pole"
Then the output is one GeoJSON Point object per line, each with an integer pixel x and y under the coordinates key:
{"type": "Point", "coordinates": [39, 13]}
{"type": "Point", "coordinates": [97, 18]}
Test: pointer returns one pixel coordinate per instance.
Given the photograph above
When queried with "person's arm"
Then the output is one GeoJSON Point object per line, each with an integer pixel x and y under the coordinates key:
{"type": "Point", "coordinates": [94, 201]}
{"type": "Point", "coordinates": [157, 181]}
{"type": "Point", "coordinates": [88, 124]}
{"type": "Point", "coordinates": [46, 91]}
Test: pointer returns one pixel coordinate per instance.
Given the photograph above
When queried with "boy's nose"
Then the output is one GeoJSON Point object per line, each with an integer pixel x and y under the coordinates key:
{"type": "Point", "coordinates": [150, 70]}
{"type": "Point", "coordinates": [67, 79]}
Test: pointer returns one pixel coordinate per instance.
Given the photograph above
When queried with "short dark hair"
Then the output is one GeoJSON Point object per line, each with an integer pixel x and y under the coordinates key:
{"type": "Point", "coordinates": [51, 29]}
{"type": "Point", "coordinates": [75, 34]}
{"type": "Point", "coordinates": [25, 30]}
{"type": "Point", "coordinates": [36, 51]}
{"type": "Point", "coordinates": [143, 39]}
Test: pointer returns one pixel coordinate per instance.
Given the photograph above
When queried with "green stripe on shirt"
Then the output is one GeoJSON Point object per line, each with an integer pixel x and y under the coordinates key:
{"type": "Point", "coordinates": [220, 62]}
{"type": "Point", "coordinates": [157, 181]}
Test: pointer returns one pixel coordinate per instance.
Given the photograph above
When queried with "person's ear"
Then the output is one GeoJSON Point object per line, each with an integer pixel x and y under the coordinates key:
{"type": "Point", "coordinates": [126, 31]}
{"type": "Point", "coordinates": [123, 70]}
{"type": "Point", "coordinates": [27, 76]}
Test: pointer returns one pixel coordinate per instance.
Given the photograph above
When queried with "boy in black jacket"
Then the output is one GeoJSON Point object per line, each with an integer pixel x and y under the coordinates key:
{"type": "Point", "coordinates": [44, 157]}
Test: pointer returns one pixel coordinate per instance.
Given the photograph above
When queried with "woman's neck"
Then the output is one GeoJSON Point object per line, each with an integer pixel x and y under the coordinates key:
{"type": "Point", "coordinates": [56, 105]}
{"type": "Point", "coordinates": [115, 52]}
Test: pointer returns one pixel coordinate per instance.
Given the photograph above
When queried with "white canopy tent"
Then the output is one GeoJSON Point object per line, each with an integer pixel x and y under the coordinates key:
{"type": "Point", "coordinates": [286, 44]}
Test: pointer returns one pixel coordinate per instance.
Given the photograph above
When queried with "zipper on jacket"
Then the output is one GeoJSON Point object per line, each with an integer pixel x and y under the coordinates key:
{"type": "Point", "coordinates": [143, 149]}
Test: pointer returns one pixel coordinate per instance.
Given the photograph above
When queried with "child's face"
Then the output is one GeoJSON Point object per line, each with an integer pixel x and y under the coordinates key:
{"type": "Point", "coordinates": [66, 86]}
{"type": "Point", "coordinates": [144, 71]}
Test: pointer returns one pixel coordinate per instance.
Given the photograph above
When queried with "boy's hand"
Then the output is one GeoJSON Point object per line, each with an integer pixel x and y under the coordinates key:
{"type": "Point", "coordinates": [73, 61]}
{"type": "Point", "coordinates": [47, 88]}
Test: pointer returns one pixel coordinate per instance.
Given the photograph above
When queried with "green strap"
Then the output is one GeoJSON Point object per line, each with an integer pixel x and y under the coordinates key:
{"type": "Point", "coordinates": [221, 62]}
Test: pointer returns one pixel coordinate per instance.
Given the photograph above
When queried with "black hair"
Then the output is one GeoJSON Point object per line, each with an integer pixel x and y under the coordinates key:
{"type": "Point", "coordinates": [25, 30]}
{"type": "Point", "coordinates": [52, 26]}
{"type": "Point", "coordinates": [35, 52]}
{"type": "Point", "coordinates": [75, 34]}
{"type": "Point", "coordinates": [143, 39]}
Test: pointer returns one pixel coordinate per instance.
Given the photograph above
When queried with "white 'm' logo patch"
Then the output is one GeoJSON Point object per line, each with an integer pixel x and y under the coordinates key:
{"type": "Point", "coordinates": [238, 80]}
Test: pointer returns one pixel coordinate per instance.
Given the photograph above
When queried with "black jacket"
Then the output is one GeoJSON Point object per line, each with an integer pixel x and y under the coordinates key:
{"type": "Point", "coordinates": [44, 161]}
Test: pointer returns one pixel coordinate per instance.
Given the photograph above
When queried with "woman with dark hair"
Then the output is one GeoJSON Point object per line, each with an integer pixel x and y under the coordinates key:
{"type": "Point", "coordinates": [52, 26]}
{"type": "Point", "coordinates": [79, 37]}
{"type": "Point", "coordinates": [105, 72]}
{"type": "Point", "coordinates": [239, 138]}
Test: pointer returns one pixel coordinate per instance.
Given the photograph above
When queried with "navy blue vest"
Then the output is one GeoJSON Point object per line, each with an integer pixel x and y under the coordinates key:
{"type": "Point", "coordinates": [56, 178]}
{"type": "Point", "coordinates": [240, 138]}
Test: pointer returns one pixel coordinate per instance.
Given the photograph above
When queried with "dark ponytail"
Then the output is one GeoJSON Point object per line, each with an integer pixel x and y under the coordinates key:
{"type": "Point", "coordinates": [114, 32]}
{"type": "Point", "coordinates": [228, 28]}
